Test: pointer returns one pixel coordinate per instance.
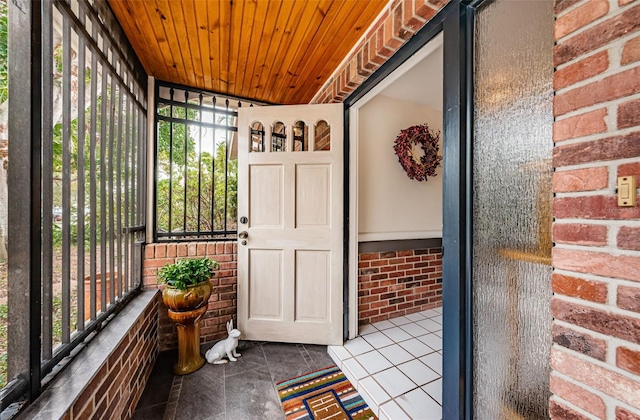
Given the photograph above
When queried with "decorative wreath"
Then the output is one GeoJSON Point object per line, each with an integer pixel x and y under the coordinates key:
{"type": "Point", "coordinates": [417, 151]}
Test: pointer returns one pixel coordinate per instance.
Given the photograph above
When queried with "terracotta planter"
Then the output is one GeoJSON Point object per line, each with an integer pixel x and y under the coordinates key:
{"type": "Point", "coordinates": [193, 297]}
{"type": "Point", "coordinates": [98, 292]}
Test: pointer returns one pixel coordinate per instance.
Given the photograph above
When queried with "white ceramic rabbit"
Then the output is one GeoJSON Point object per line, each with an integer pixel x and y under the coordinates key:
{"type": "Point", "coordinates": [224, 347]}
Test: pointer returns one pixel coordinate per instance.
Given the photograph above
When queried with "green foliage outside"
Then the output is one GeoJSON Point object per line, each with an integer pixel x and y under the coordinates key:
{"type": "Point", "coordinates": [4, 96]}
{"type": "Point", "coordinates": [57, 175]}
{"type": "Point", "coordinates": [57, 316]}
{"type": "Point", "coordinates": [4, 32]}
{"type": "Point", "coordinates": [57, 166]}
{"type": "Point", "coordinates": [196, 189]}
{"type": "Point", "coordinates": [110, 163]}
{"type": "Point", "coordinates": [3, 344]}
{"type": "Point", "coordinates": [57, 330]}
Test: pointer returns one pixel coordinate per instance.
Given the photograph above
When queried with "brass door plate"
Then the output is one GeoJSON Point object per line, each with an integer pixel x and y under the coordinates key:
{"type": "Point", "coordinates": [627, 191]}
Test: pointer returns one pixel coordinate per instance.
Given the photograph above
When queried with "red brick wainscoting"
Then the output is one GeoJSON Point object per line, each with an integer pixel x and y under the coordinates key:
{"type": "Point", "coordinates": [595, 357]}
{"type": "Point", "coordinates": [396, 283]}
{"type": "Point", "coordinates": [106, 379]}
{"type": "Point", "coordinates": [115, 390]}
{"type": "Point", "coordinates": [223, 301]}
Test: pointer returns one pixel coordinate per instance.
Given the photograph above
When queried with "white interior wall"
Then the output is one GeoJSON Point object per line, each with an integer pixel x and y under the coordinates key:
{"type": "Point", "coordinates": [390, 205]}
{"type": "Point", "coordinates": [385, 204]}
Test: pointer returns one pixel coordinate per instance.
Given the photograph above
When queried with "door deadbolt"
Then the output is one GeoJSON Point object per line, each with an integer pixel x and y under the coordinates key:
{"type": "Point", "coordinates": [244, 220]}
{"type": "Point", "coordinates": [244, 242]}
{"type": "Point", "coordinates": [243, 235]}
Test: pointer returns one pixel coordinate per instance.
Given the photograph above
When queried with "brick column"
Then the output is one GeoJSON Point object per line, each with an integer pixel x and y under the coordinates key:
{"type": "Point", "coordinates": [395, 26]}
{"type": "Point", "coordinates": [595, 357]}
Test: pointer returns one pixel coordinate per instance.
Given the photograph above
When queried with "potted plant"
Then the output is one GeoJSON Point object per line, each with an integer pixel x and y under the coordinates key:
{"type": "Point", "coordinates": [187, 281]}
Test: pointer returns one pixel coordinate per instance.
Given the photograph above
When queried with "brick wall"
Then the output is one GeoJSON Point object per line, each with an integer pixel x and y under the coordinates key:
{"type": "Point", "coordinates": [596, 305]}
{"type": "Point", "coordinates": [395, 26]}
{"type": "Point", "coordinates": [106, 379]}
{"type": "Point", "coordinates": [223, 301]}
{"type": "Point", "coordinates": [116, 388]}
{"type": "Point", "coordinates": [396, 283]}
{"type": "Point", "coordinates": [322, 136]}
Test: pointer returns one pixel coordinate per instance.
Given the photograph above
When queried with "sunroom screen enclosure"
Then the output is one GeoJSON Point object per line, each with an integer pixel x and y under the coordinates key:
{"type": "Point", "coordinates": [75, 245]}
{"type": "Point", "coordinates": [196, 165]}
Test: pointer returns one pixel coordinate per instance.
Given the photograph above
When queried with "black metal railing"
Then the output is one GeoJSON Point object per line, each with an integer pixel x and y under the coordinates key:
{"type": "Point", "coordinates": [196, 163]}
{"type": "Point", "coordinates": [80, 179]}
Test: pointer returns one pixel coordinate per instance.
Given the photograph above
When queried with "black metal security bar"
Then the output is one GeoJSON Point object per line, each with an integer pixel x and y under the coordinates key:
{"type": "Point", "coordinates": [196, 163]}
{"type": "Point", "coordinates": [257, 137]}
{"type": "Point", "coordinates": [77, 182]}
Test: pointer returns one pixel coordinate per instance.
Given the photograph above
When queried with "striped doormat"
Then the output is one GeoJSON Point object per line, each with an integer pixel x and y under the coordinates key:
{"type": "Point", "coordinates": [323, 394]}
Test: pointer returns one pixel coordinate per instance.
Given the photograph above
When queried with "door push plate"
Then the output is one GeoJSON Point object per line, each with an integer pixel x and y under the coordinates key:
{"type": "Point", "coordinates": [627, 191]}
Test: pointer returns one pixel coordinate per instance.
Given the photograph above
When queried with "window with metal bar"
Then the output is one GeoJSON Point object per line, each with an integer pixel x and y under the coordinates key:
{"type": "Point", "coordinates": [85, 216]}
{"type": "Point", "coordinates": [196, 163]}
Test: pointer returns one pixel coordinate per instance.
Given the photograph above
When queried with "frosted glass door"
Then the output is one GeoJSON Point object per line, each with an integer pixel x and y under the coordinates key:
{"type": "Point", "coordinates": [512, 208]}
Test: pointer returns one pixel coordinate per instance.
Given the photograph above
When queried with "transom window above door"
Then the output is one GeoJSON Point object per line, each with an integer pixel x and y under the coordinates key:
{"type": "Point", "coordinates": [277, 136]}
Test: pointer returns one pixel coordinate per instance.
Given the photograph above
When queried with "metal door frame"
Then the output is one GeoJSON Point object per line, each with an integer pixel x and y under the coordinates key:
{"type": "Point", "coordinates": [456, 21]}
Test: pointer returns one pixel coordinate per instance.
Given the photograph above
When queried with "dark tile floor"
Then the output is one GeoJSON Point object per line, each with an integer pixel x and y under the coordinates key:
{"type": "Point", "coordinates": [234, 391]}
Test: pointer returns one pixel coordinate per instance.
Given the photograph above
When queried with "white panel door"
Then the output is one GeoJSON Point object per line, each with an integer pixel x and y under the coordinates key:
{"type": "Point", "coordinates": [290, 220]}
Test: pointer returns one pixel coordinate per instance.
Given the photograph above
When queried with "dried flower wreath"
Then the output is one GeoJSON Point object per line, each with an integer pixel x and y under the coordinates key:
{"type": "Point", "coordinates": [417, 151]}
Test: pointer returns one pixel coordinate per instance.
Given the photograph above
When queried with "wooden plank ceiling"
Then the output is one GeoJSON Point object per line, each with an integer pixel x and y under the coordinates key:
{"type": "Point", "coordinates": [276, 51]}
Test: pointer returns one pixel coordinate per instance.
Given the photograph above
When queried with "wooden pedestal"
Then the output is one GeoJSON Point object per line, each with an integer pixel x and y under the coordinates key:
{"type": "Point", "coordinates": [188, 324]}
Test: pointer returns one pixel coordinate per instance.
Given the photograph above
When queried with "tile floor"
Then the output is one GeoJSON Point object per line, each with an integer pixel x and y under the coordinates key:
{"type": "Point", "coordinates": [396, 365]}
{"type": "Point", "coordinates": [242, 390]}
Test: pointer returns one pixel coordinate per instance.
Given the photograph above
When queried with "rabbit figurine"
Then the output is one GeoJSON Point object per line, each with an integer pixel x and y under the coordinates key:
{"type": "Point", "coordinates": [224, 347]}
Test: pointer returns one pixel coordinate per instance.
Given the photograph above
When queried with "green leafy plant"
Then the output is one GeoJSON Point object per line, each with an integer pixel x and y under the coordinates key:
{"type": "Point", "coordinates": [4, 63]}
{"type": "Point", "coordinates": [3, 344]}
{"type": "Point", "coordinates": [187, 272]}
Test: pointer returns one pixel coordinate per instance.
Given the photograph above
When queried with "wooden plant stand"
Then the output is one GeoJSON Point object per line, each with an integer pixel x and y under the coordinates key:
{"type": "Point", "coordinates": [188, 324]}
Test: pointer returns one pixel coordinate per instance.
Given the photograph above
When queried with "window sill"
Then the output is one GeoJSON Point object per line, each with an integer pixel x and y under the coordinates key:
{"type": "Point", "coordinates": [83, 377]}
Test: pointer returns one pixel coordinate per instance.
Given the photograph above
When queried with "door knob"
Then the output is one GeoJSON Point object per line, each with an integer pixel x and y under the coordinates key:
{"type": "Point", "coordinates": [243, 235]}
